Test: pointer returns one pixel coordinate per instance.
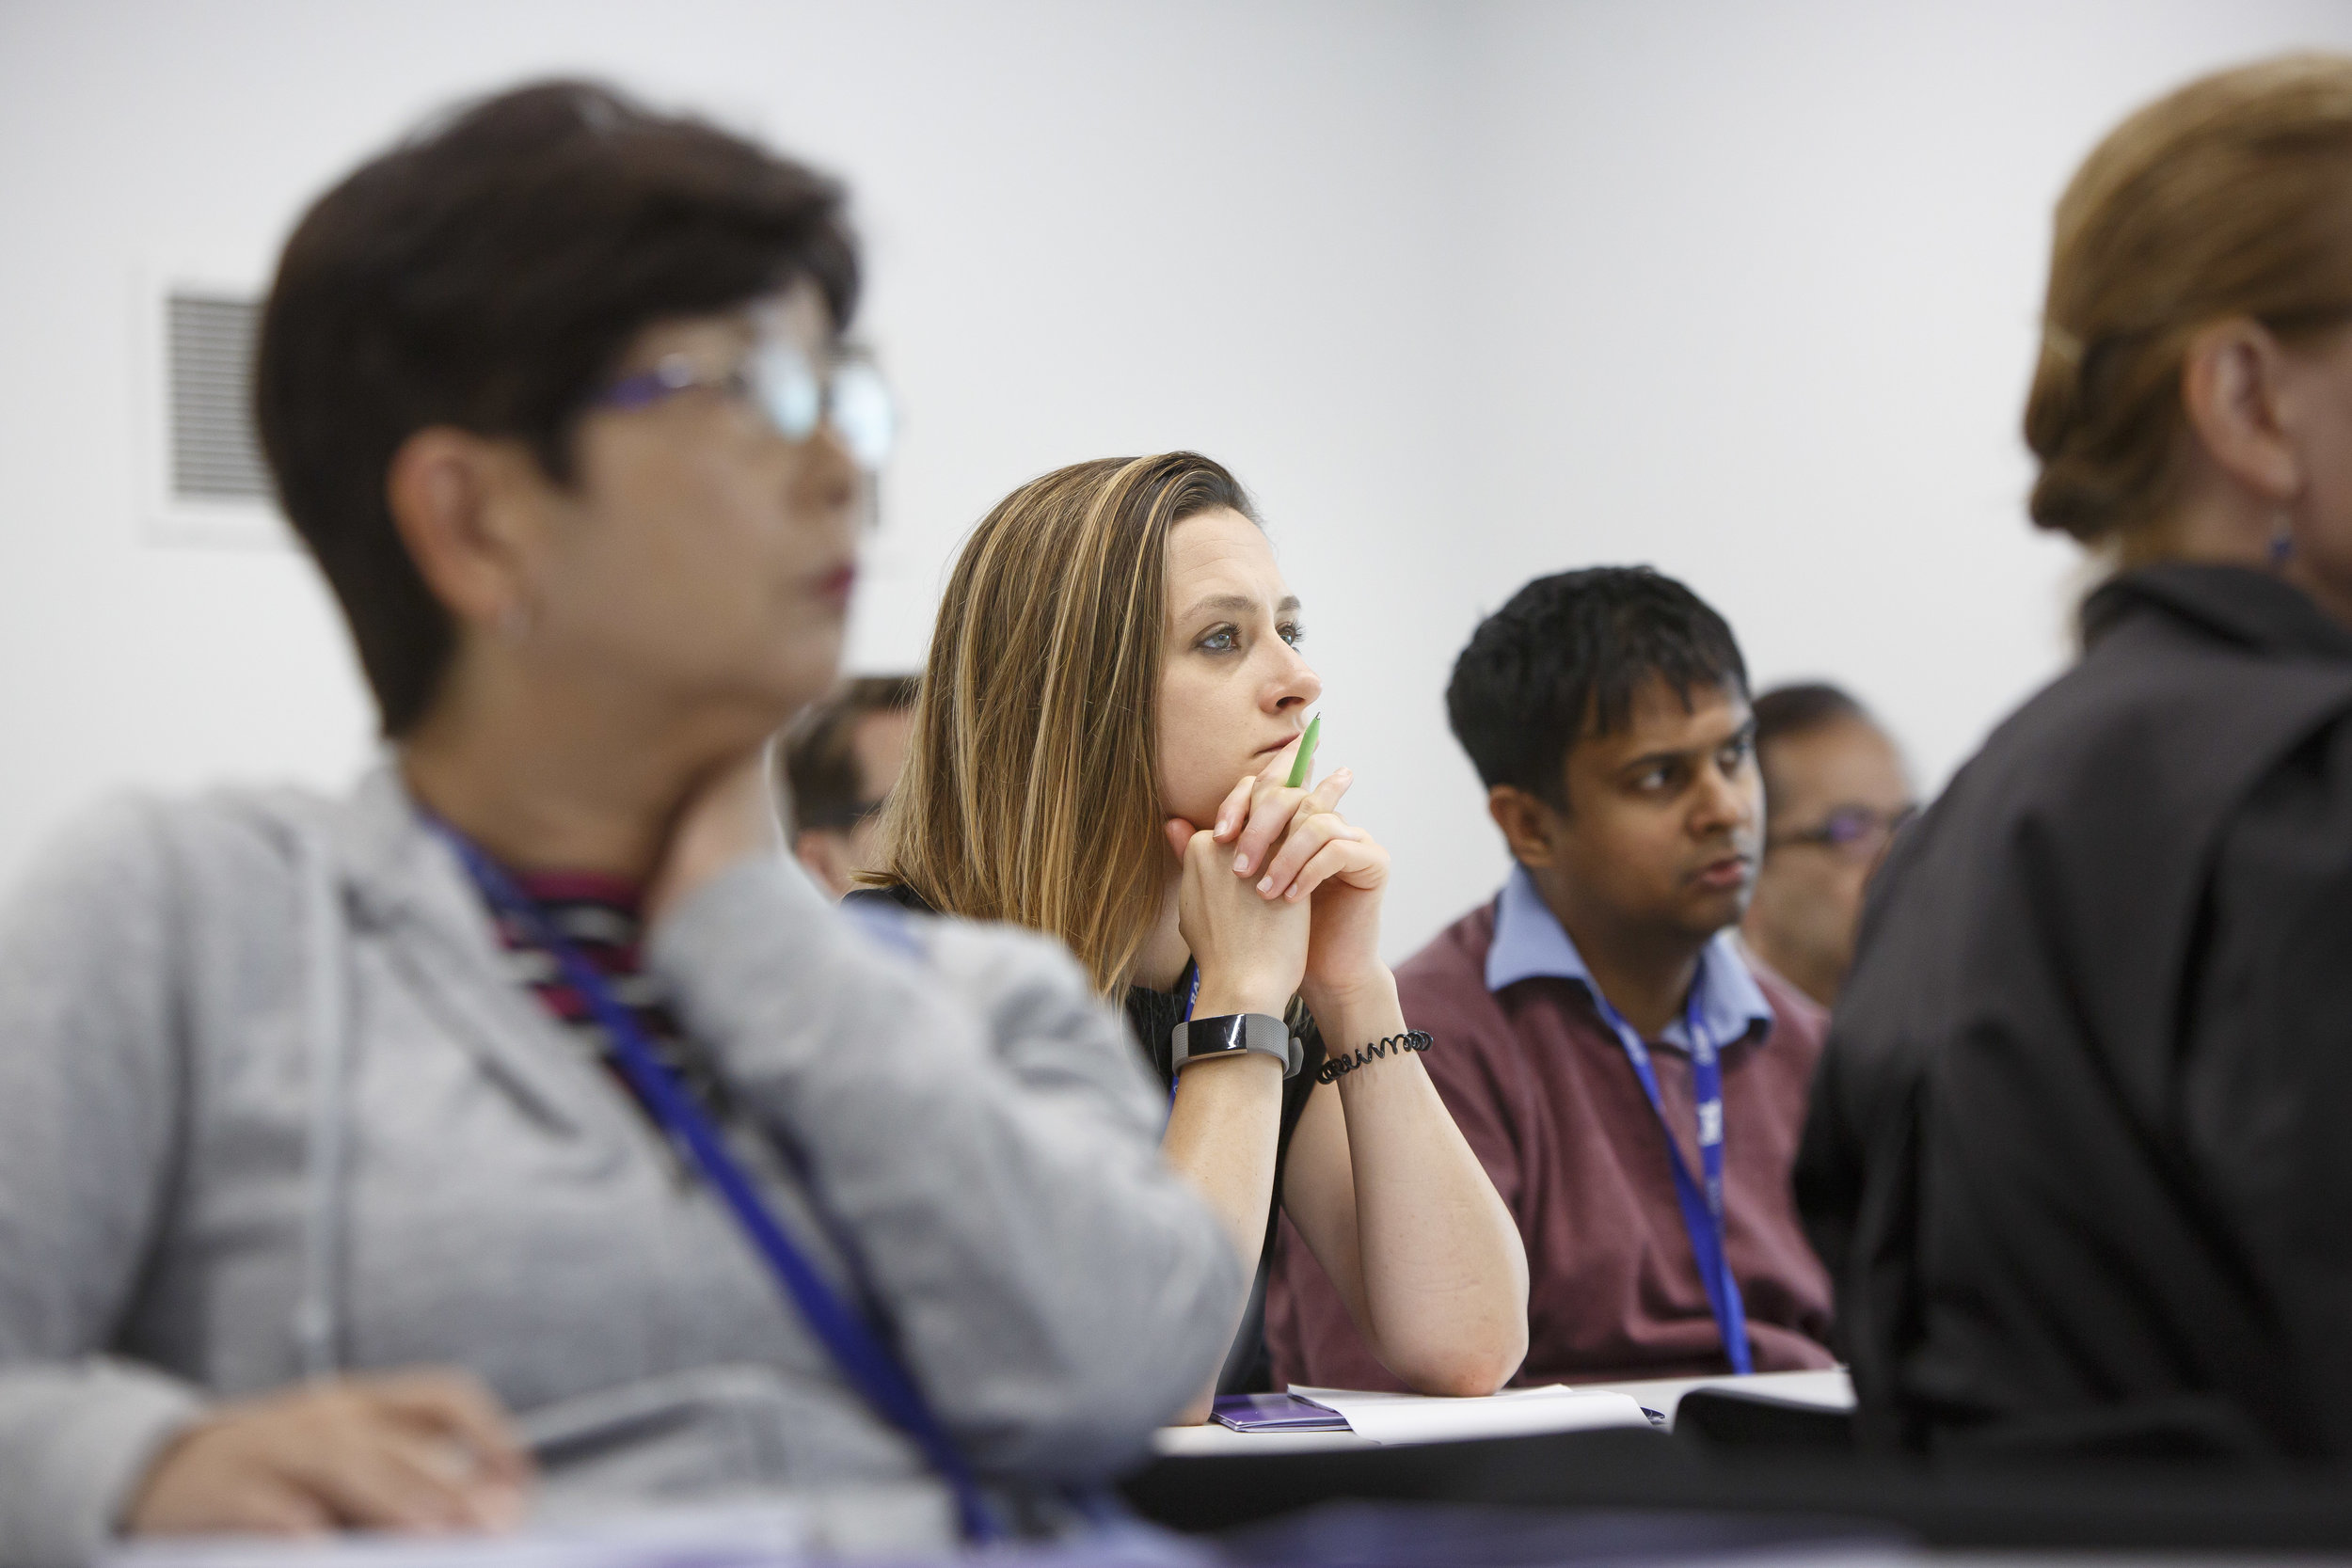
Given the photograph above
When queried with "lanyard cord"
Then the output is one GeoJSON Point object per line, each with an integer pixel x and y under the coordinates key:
{"type": "Point", "coordinates": [1702, 1209]}
{"type": "Point", "coordinates": [867, 1363]}
{"type": "Point", "coordinates": [1191, 996]}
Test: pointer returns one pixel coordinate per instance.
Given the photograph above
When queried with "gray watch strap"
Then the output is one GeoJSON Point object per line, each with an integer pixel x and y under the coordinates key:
{"type": "Point", "coordinates": [1195, 1038]}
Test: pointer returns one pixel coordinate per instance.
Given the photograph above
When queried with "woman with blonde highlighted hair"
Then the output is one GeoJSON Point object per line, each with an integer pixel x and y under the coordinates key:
{"type": "Point", "coordinates": [1112, 709]}
{"type": "Point", "coordinates": [2076, 1154]}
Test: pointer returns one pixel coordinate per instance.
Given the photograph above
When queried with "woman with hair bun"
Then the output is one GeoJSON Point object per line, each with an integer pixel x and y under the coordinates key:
{"type": "Point", "coordinates": [2076, 1155]}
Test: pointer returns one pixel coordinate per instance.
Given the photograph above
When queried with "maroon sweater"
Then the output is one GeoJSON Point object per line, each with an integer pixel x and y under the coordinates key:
{"type": "Point", "coordinates": [1546, 1099]}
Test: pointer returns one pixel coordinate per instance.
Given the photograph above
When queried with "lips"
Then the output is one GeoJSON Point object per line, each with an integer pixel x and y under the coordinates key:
{"type": "Point", "coordinates": [833, 587]}
{"type": "Point", "coordinates": [1725, 875]}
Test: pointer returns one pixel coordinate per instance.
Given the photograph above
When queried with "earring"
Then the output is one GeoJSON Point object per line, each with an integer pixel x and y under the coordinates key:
{"type": "Point", "coordinates": [2281, 538]}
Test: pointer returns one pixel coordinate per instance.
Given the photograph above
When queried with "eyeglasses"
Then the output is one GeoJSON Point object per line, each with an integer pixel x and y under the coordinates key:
{"type": "Point", "coordinates": [1856, 832]}
{"type": "Point", "coordinates": [793, 394]}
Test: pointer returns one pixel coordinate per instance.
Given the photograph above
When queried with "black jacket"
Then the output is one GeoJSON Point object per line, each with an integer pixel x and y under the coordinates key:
{"type": "Point", "coordinates": [2079, 1155]}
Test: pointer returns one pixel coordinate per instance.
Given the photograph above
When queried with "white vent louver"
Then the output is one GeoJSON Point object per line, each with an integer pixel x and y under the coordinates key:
{"type": "Point", "coordinates": [215, 455]}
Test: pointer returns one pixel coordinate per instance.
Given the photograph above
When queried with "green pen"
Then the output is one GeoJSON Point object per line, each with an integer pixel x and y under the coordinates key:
{"type": "Point", "coordinates": [1306, 753]}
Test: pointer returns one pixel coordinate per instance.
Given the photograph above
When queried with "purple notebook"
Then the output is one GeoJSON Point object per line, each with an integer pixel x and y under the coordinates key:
{"type": "Point", "coordinates": [1275, 1413]}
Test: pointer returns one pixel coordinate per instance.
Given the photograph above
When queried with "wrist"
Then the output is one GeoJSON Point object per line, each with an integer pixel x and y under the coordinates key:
{"type": "Point", "coordinates": [1353, 1007]}
{"type": "Point", "coordinates": [1221, 994]}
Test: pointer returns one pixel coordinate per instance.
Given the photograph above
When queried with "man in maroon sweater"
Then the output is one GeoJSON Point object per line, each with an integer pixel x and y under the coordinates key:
{"type": "Point", "coordinates": [1633, 1084]}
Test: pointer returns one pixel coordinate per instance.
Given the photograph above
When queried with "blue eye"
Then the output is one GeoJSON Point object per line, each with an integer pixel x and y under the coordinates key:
{"type": "Point", "coordinates": [1220, 640]}
{"type": "Point", "coordinates": [1294, 633]}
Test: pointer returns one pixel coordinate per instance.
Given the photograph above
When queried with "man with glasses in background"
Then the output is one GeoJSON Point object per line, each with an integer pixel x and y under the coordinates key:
{"type": "Point", "coordinates": [1836, 790]}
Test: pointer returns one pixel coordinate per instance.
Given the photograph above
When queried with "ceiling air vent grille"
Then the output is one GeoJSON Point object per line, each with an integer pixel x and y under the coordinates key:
{"type": "Point", "coordinates": [214, 454]}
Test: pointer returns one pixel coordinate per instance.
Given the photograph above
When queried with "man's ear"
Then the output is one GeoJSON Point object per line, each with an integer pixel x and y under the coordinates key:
{"type": "Point", "coordinates": [2233, 386]}
{"type": "Point", "coordinates": [463, 504]}
{"type": "Point", "coordinates": [1529, 825]}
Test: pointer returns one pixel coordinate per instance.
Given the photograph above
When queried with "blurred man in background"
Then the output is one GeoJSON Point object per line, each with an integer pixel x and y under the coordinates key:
{"type": "Point", "coordinates": [1834, 791]}
{"type": "Point", "coordinates": [839, 763]}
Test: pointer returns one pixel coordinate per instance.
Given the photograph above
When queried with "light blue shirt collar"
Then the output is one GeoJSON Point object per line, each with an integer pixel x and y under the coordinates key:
{"type": "Point", "coordinates": [1530, 940]}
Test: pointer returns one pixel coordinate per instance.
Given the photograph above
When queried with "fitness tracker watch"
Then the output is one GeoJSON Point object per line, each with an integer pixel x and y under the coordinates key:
{"type": "Point", "coordinates": [1197, 1037]}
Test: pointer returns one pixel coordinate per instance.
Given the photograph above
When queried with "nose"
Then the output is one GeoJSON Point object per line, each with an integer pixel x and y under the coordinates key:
{"type": "Point", "coordinates": [827, 482]}
{"type": "Point", "coordinates": [1295, 684]}
{"type": "Point", "coordinates": [1726, 800]}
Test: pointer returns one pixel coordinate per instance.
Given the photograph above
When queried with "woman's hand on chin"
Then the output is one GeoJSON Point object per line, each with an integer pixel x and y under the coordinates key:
{"type": "Point", "coordinates": [729, 817]}
{"type": "Point", "coordinates": [1306, 852]}
{"type": "Point", "coordinates": [1253, 951]}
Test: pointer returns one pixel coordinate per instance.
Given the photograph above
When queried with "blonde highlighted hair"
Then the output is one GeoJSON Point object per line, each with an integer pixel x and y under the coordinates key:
{"type": "Point", "coordinates": [2230, 196]}
{"type": "Point", "coordinates": [1032, 790]}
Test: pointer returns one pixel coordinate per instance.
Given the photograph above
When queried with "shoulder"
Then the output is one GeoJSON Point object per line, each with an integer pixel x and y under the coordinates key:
{"type": "Point", "coordinates": [988, 955]}
{"type": "Point", "coordinates": [1799, 1023]}
{"type": "Point", "coordinates": [994, 964]}
{"type": "Point", "coordinates": [1450, 972]}
{"type": "Point", "coordinates": [1442, 989]}
{"type": "Point", "coordinates": [2162, 720]}
{"type": "Point", "coordinates": [133, 904]}
{"type": "Point", "coordinates": [131, 855]}
{"type": "Point", "coordinates": [887, 895]}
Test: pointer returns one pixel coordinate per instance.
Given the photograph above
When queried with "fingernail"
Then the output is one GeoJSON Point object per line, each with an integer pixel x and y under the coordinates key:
{"type": "Point", "coordinates": [1265, 884]}
{"type": "Point", "coordinates": [1241, 866]}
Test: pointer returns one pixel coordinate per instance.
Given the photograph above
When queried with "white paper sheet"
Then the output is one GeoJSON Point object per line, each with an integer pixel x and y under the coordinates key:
{"type": "Point", "coordinates": [1515, 1412]}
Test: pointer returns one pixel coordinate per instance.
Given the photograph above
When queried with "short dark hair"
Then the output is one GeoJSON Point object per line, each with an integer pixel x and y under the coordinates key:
{"type": "Point", "coordinates": [1564, 658]}
{"type": "Point", "coordinates": [1786, 712]}
{"type": "Point", "coordinates": [487, 273]}
{"type": "Point", "coordinates": [820, 769]}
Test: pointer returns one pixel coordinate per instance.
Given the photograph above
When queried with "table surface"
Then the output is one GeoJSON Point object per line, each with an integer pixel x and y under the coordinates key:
{"type": "Point", "coordinates": [1829, 1391]}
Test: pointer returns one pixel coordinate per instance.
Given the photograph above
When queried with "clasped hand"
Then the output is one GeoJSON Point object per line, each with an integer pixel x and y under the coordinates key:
{"type": "Point", "coordinates": [1281, 893]}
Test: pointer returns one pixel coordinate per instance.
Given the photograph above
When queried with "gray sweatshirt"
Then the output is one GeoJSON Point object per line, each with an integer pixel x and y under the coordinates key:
{"type": "Point", "coordinates": [271, 1106]}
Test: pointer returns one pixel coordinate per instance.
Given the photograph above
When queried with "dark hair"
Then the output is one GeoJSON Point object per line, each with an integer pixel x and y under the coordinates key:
{"type": "Point", "coordinates": [819, 752]}
{"type": "Point", "coordinates": [487, 273]}
{"type": "Point", "coordinates": [1564, 658]}
{"type": "Point", "coordinates": [1786, 712]}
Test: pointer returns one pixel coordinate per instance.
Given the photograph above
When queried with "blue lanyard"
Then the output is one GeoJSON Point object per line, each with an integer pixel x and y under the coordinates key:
{"type": "Point", "coordinates": [1702, 1210]}
{"type": "Point", "coordinates": [864, 1359]}
{"type": "Point", "coordinates": [1190, 997]}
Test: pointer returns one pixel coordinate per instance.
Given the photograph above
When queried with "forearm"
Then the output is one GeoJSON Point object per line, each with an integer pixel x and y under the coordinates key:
{"type": "Point", "coordinates": [1443, 1272]}
{"type": "Point", "coordinates": [982, 1129]}
{"type": "Point", "coordinates": [1226, 1120]}
{"type": "Point", "coordinates": [1221, 1135]}
{"type": "Point", "coordinates": [75, 1440]}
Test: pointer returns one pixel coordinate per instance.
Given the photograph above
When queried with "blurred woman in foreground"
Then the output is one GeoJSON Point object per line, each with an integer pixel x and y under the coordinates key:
{"type": "Point", "coordinates": [2076, 1153]}
{"type": "Point", "coordinates": [524, 1113]}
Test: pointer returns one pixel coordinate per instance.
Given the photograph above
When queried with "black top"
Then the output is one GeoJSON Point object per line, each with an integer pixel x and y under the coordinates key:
{"type": "Point", "coordinates": [1151, 1017]}
{"type": "Point", "coordinates": [2077, 1153]}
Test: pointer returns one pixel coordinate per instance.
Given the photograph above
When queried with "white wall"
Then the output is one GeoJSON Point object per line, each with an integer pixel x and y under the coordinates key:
{"type": "Point", "coordinates": [1464, 291]}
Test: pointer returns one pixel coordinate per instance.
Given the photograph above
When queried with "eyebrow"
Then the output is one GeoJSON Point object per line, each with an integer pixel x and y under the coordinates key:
{"type": "Point", "coordinates": [1236, 604]}
{"type": "Point", "coordinates": [1746, 731]}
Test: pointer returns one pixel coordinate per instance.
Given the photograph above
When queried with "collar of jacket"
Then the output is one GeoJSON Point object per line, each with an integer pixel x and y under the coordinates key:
{"type": "Point", "coordinates": [397, 876]}
{"type": "Point", "coordinates": [2253, 608]}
